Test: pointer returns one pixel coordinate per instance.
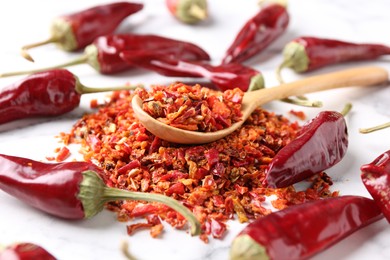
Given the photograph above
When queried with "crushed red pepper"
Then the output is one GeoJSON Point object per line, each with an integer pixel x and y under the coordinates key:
{"type": "Point", "coordinates": [218, 181]}
{"type": "Point", "coordinates": [194, 108]}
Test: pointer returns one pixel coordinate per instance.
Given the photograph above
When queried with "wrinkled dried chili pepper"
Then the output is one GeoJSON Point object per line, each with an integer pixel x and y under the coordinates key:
{"type": "Point", "coordinates": [224, 76]}
{"type": "Point", "coordinates": [77, 30]}
{"type": "Point", "coordinates": [71, 190]}
{"type": "Point", "coordinates": [103, 54]}
{"type": "Point", "coordinates": [303, 230]}
{"type": "Point", "coordinates": [49, 93]}
{"type": "Point", "coordinates": [25, 251]}
{"type": "Point", "coordinates": [188, 11]}
{"type": "Point", "coordinates": [321, 143]}
{"type": "Point", "coordinates": [376, 178]}
{"type": "Point", "coordinates": [258, 33]}
{"type": "Point", "coordinates": [309, 53]}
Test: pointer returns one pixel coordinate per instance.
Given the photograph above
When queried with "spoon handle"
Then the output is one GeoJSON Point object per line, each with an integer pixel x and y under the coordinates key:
{"type": "Point", "coordinates": [363, 76]}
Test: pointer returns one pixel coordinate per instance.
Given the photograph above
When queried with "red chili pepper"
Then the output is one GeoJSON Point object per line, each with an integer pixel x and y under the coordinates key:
{"type": "Point", "coordinates": [77, 30]}
{"type": "Point", "coordinates": [376, 178]}
{"type": "Point", "coordinates": [224, 76]}
{"type": "Point", "coordinates": [321, 143]}
{"type": "Point", "coordinates": [103, 54]}
{"type": "Point", "coordinates": [301, 231]}
{"type": "Point", "coordinates": [71, 190]}
{"type": "Point", "coordinates": [25, 251]}
{"type": "Point", "coordinates": [188, 11]}
{"type": "Point", "coordinates": [48, 93]}
{"type": "Point", "coordinates": [309, 53]}
{"type": "Point", "coordinates": [258, 33]}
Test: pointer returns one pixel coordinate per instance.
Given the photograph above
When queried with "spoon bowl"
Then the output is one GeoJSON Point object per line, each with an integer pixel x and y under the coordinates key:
{"type": "Point", "coordinates": [363, 76]}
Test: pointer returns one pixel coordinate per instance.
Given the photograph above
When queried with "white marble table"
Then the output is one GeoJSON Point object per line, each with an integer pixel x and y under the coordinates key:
{"type": "Point", "coordinates": [23, 21]}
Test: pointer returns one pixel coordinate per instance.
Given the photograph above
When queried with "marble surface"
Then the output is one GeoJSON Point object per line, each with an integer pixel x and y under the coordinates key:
{"type": "Point", "coordinates": [23, 21]}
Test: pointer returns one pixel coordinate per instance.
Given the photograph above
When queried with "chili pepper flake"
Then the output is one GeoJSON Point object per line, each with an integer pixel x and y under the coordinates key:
{"type": "Point", "coordinates": [63, 154]}
{"type": "Point", "coordinates": [218, 181]}
{"type": "Point", "coordinates": [193, 108]}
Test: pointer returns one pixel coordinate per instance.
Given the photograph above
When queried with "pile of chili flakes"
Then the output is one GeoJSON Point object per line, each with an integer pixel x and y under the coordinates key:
{"type": "Point", "coordinates": [194, 108]}
{"type": "Point", "coordinates": [218, 181]}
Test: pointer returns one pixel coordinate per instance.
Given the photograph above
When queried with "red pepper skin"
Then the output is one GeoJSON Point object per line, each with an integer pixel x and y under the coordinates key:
{"type": "Point", "coordinates": [301, 231]}
{"type": "Point", "coordinates": [224, 76]}
{"type": "Point", "coordinates": [25, 251]}
{"type": "Point", "coordinates": [258, 33]}
{"type": "Point", "coordinates": [376, 178]}
{"type": "Point", "coordinates": [47, 93]}
{"type": "Point", "coordinates": [52, 188]}
{"type": "Point", "coordinates": [109, 49]}
{"type": "Point", "coordinates": [321, 143]}
{"type": "Point", "coordinates": [98, 21]}
{"type": "Point", "coordinates": [322, 52]}
{"type": "Point", "coordinates": [72, 190]}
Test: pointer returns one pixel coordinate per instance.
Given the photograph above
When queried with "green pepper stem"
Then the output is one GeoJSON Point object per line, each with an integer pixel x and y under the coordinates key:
{"type": "Point", "coordinates": [110, 194]}
{"type": "Point", "coordinates": [24, 49]}
{"type": "Point", "coordinates": [82, 59]}
{"type": "Point", "coordinates": [300, 100]}
{"type": "Point", "coordinates": [198, 12]}
{"type": "Point", "coordinates": [374, 128]}
{"type": "Point", "coordinates": [81, 89]}
{"type": "Point", "coordinates": [346, 109]}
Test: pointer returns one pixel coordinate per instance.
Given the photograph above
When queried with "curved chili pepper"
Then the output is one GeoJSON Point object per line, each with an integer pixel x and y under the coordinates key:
{"type": "Point", "coordinates": [77, 30]}
{"type": "Point", "coordinates": [188, 11]}
{"type": "Point", "coordinates": [376, 178]}
{"type": "Point", "coordinates": [25, 251]}
{"type": "Point", "coordinates": [224, 76]}
{"type": "Point", "coordinates": [309, 53]}
{"type": "Point", "coordinates": [48, 93]}
{"type": "Point", "coordinates": [321, 143]}
{"type": "Point", "coordinates": [301, 231]}
{"type": "Point", "coordinates": [71, 190]}
{"type": "Point", "coordinates": [258, 33]}
{"type": "Point", "coordinates": [103, 54]}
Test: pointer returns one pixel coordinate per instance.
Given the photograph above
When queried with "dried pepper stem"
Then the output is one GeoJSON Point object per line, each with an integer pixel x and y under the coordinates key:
{"type": "Point", "coordinates": [93, 200]}
{"type": "Point", "coordinates": [374, 128]}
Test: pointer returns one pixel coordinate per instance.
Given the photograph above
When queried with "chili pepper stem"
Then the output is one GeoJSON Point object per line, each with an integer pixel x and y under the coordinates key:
{"type": "Point", "coordinates": [125, 251]}
{"type": "Point", "coordinates": [374, 128]}
{"type": "Point", "coordinates": [300, 100]}
{"type": "Point", "coordinates": [257, 82]}
{"type": "Point", "coordinates": [303, 102]}
{"type": "Point", "coordinates": [197, 12]}
{"type": "Point", "coordinates": [81, 89]}
{"type": "Point", "coordinates": [94, 193]}
{"type": "Point", "coordinates": [82, 59]}
{"type": "Point", "coordinates": [25, 48]}
{"type": "Point", "coordinates": [346, 109]}
{"type": "Point", "coordinates": [245, 248]}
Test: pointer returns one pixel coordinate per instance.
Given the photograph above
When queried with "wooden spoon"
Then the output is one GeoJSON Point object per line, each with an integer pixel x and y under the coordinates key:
{"type": "Point", "coordinates": [363, 76]}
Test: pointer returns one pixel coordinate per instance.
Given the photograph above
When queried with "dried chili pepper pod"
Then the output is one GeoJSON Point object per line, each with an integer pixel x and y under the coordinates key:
{"type": "Point", "coordinates": [224, 76]}
{"type": "Point", "coordinates": [321, 143]}
{"type": "Point", "coordinates": [48, 93]}
{"type": "Point", "coordinates": [301, 231]}
{"type": "Point", "coordinates": [71, 190]}
{"type": "Point", "coordinates": [103, 54]}
{"type": "Point", "coordinates": [376, 178]}
{"type": "Point", "coordinates": [77, 30]}
{"type": "Point", "coordinates": [258, 33]}
{"type": "Point", "coordinates": [25, 251]}
{"type": "Point", "coordinates": [309, 53]}
{"type": "Point", "coordinates": [188, 11]}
